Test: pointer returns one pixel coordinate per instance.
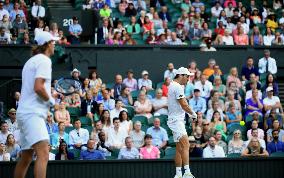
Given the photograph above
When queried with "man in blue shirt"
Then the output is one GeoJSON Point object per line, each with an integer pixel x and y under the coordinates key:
{"type": "Point", "coordinates": [91, 153]}
{"type": "Point", "coordinates": [197, 103]}
{"type": "Point", "coordinates": [275, 145]}
{"type": "Point", "coordinates": [109, 103]}
{"type": "Point", "coordinates": [159, 134]}
{"type": "Point", "coordinates": [128, 152]}
{"type": "Point", "coordinates": [75, 31]}
{"type": "Point", "coordinates": [249, 69]}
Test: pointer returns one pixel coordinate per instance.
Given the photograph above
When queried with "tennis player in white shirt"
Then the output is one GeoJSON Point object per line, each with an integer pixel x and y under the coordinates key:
{"type": "Point", "coordinates": [33, 107]}
{"type": "Point", "coordinates": [178, 106]}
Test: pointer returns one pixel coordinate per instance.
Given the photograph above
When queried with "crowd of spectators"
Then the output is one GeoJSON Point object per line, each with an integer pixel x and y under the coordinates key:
{"type": "Point", "coordinates": [176, 22]}
{"type": "Point", "coordinates": [21, 20]}
{"type": "Point", "coordinates": [127, 119]}
{"type": "Point", "coordinates": [224, 22]}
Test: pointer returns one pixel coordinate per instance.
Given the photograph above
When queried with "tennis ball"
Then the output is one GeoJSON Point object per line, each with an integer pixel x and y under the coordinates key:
{"type": "Point", "coordinates": [242, 123]}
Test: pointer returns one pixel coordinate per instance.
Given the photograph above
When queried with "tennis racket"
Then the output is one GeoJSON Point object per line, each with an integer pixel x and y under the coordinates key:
{"type": "Point", "coordinates": [67, 86]}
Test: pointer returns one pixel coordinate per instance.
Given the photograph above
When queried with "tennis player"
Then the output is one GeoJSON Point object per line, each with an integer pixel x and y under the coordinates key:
{"type": "Point", "coordinates": [178, 106]}
{"type": "Point", "coordinates": [33, 107]}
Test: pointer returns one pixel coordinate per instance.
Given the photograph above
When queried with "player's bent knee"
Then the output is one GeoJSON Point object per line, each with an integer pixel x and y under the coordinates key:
{"type": "Point", "coordinates": [184, 143]}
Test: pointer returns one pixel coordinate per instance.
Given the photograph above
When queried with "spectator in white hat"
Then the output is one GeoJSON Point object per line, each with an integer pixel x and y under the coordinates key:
{"type": "Point", "coordinates": [75, 74]}
{"type": "Point", "coordinates": [272, 102]}
{"type": "Point", "coordinates": [145, 81]}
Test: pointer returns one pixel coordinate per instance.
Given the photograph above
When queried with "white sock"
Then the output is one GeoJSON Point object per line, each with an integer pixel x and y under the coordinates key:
{"type": "Point", "coordinates": [186, 168]}
{"type": "Point", "coordinates": [178, 171]}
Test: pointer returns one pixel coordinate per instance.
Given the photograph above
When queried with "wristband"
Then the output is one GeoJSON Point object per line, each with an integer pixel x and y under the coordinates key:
{"type": "Point", "coordinates": [51, 101]}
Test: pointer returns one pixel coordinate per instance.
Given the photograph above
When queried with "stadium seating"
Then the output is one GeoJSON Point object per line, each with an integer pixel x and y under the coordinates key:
{"type": "Point", "coordinates": [85, 121]}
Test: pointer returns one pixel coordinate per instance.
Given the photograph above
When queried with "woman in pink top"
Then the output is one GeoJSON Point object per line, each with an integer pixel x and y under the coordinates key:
{"type": "Point", "coordinates": [62, 115]}
{"type": "Point", "coordinates": [233, 76]}
{"type": "Point", "coordinates": [241, 38]}
{"type": "Point", "coordinates": [148, 151]}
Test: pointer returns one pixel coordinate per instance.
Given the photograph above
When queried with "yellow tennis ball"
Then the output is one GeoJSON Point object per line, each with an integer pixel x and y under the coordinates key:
{"type": "Point", "coordinates": [242, 123]}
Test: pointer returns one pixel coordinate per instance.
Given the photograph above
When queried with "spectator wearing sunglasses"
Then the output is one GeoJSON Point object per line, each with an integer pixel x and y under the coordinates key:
{"type": "Point", "coordinates": [12, 121]}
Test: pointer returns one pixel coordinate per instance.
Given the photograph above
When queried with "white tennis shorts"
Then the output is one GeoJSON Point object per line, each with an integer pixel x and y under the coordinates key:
{"type": "Point", "coordinates": [32, 130]}
{"type": "Point", "coordinates": [178, 128]}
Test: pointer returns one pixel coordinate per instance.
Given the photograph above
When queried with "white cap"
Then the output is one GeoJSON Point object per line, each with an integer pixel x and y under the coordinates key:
{"type": "Point", "coordinates": [43, 37]}
{"type": "Point", "coordinates": [75, 70]}
{"type": "Point", "coordinates": [183, 71]}
{"type": "Point", "coordinates": [269, 89]}
{"type": "Point", "coordinates": [145, 72]}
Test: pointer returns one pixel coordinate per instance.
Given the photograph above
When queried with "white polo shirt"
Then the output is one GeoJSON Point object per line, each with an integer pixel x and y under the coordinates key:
{"type": "Point", "coordinates": [38, 66]}
{"type": "Point", "coordinates": [271, 101]}
{"type": "Point", "coordinates": [176, 92]}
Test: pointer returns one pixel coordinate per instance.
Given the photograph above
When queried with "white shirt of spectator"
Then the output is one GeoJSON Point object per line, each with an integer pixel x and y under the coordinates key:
{"type": "Point", "coordinates": [281, 20]}
{"type": "Point", "coordinates": [204, 89]}
{"type": "Point", "coordinates": [3, 137]}
{"type": "Point", "coordinates": [230, 27]}
{"type": "Point", "coordinates": [176, 42]}
{"type": "Point", "coordinates": [170, 74]}
{"type": "Point", "coordinates": [39, 66]}
{"type": "Point", "coordinates": [229, 12]}
{"type": "Point", "coordinates": [210, 112]}
{"type": "Point", "coordinates": [261, 141]}
{"type": "Point", "coordinates": [158, 103]}
{"type": "Point", "coordinates": [228, 40]}
{"type": "Point", "coordinates": [105, 31]}
{"type": "Point", "coordinates": [38, 11]}
{"type": "Point", "coordinates": [126, 125]}
{"type": "Point", "coordinates": [12, 126]}
{"type": "Point", "coordinates": [51, 156]}
{"type": "Point", "coordinates": [5, 157]}
{"type": "Point", "coordinates": [4, 12]}
{"type": "Point", "coordinates": [217, 152]}
{"type": "Point", "coordinates": [272, 67]}
{"type": "Point", "coordinates": [116, 138]}
{"type": "Point", "coordinates": [142, 82]}
{"type": "Point", "coordinates": [38, 30]}
{"type": "Point", "coordinates": [6, 39]}
{"type": "Point", "coordinates": [271, 101]}
{"type": "Point", "coordinates": [216, 12]}
{"type": "Point", "coordinates": [115, 112]}
{"type": "Point", "coordinates": [246, 28]}
{"type": "Point", "coordinates": [267, 40]}
{"type": "Point", "coordinates": [82, 137]}
{"type": "Point", "coordinates": [176, 92]}
{"type": "Point", "coordinates": [142, 5]}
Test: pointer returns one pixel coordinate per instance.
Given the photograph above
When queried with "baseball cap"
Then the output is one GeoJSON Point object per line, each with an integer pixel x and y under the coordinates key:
{"type": "Point", "coordinates": [43, 37]}
{"type": "Point", "coordinates": [145, 72]}
{"type": "Point", "coordinates": [269, 89]}
{"type": "Point", "coordinates": [183, 71]}
{"type": "Point", "coordinates": [12, 110]}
